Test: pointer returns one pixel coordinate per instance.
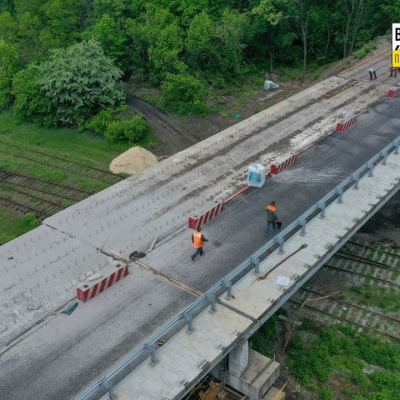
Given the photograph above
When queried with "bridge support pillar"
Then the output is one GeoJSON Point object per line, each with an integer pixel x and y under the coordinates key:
{"type": "Point", "coordinates": [248, 371]}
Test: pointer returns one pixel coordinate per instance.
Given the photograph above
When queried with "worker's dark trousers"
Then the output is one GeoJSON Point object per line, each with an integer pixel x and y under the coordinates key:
{"type": "Point", "coordinates": [197, 252]}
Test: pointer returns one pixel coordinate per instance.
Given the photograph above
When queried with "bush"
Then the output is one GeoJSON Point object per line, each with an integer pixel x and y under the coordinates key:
{"type": "Point", "coordinates": [134, 130]}
{"type": "Point", "coordinates": [30, 220]}
{"type": "Point", "coordinates": [98, 124]}
{"type": "Point", "coordinates": [184, 94]}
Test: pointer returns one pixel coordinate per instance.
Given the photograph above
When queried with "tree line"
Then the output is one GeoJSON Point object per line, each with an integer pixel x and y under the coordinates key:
{"type": "Point", "coordinates": [62, 61]}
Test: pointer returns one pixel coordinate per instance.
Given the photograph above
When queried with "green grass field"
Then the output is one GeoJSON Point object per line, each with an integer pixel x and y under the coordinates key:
{"type": "Point", "coordinates": [64, 143]}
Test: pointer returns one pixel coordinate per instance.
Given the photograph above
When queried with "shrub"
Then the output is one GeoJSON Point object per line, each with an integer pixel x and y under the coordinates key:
{"type": "Point", "coordinates": [134, 130]}
{"type": "Point", "coordinates": [99, 123]}
{"type": "Point", "coordinates": [30, 220]}
{"type": "Point", "coordinates": [30, 102]}
{"type": "Point", "coordinates": [184, 94]}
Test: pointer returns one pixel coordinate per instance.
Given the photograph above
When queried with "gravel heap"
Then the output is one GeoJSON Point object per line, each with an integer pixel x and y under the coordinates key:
{"type": "Point", "coordinates": [134, 160]}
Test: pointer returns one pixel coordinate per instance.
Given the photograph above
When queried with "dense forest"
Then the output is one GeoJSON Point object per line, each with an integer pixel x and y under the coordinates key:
{"type": "Point", "coordinates": [62, 62]}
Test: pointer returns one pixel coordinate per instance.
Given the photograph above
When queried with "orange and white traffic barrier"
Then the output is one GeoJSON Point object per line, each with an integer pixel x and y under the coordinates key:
{"type": "Point", "coordinates": [236, 194]}
{"type": "Point", "coordinates": [341, 126]}
{"type": "Point", "coordinates": [208, 216]}
{"type": "Point", "coordinates": [90, 288]}
{"type": "Point", "coordinates": [394, 92]}
{"type": "Point", "coordinates": [279, 167]}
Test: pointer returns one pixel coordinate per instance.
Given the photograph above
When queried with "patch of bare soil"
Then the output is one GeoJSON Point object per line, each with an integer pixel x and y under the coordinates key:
{"type": "Point", "coordinates": [134, 160]}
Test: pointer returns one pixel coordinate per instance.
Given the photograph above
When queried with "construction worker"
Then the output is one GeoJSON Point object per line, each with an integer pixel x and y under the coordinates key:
{"type": "Point", "coordinates": [198, 241]}
{"type": "Point", "coordinates": [272, 217]}
{"type": "Point", "coordinates": [372, 73]}
{"type": "Point", "coordinates": [393, 70]}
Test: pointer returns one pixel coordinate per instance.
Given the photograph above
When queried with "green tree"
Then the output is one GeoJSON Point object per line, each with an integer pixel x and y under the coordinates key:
{"type": "Point", "coordinates": [270, 32]}
{"type": "Point", "coordinates": [164, 54]}
{"type": "Point", "coordinates": [200, 43]}
{"type": "Point", "coordinates": [8, 67]}
{"type": "Point", "coordinates": [80, 81]}
{"type": "Point", "coordinates": [30, 101]}
{"type": "Point", "coordinates": [230, 32]}
{"type": "Point", "coordinates": [8, 27]}
{"type": "Point", "coordinates": [62, 23]}
{"type": "Point", "coordinates": [111, 34]}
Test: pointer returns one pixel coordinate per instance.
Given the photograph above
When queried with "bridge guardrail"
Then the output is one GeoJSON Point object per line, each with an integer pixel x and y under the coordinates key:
{"type": "Point", "coordinates": [226, 282]}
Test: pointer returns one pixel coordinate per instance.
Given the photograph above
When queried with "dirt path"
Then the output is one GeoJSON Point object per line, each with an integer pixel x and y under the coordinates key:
{"type": "Point", "coordinates": [167, 130]}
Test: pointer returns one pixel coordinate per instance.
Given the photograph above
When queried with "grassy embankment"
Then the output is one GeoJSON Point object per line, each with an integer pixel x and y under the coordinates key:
{"type": "Point", "coordinates": [65, 143]}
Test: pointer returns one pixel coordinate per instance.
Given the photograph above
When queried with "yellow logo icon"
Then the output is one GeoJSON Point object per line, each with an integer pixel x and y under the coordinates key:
{"type": "Point", "coordinates": [396, 45]}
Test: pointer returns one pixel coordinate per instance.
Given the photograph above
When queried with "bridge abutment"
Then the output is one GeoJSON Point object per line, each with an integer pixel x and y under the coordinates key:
{"type": "Point", "coordinates": [249, 372]}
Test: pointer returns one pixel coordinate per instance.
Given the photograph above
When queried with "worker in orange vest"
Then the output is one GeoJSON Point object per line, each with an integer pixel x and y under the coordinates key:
{"type": "Point", "coordinates": [198, 241]}
{"type": "Point", "coordinates": [272, 217]}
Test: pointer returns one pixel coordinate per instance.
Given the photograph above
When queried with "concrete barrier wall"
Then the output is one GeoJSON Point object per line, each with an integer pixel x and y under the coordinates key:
{"type": "Point", "coordinates": [91, 288]}
{"type": "Point", "coordinates": [342, 126]}
{"type": "Point", "coordinates": [206, 217]}
{"type": "Point", "coordinates": [280, 166]}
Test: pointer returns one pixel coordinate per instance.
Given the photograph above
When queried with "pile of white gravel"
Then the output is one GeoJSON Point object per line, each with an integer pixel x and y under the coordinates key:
{"type": "Point", "coordinates": [134, 160]}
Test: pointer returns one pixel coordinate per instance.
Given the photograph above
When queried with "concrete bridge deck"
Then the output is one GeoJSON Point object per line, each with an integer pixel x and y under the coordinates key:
{"type": "Point", "coordinates": [63, 354]}
{"type": "Point", "coordinates": [188, 356]}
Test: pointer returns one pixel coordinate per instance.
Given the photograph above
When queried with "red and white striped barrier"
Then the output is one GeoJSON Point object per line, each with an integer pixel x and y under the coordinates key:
{"type": "Point", "coordinates": [279, 167]}
{"type": "Point", "coordinates": [208, 216]}
{"type": "Point", "coordinates": [236, 194]}
{"type": "Point", "coordinates": [89, 289]}
{"type": "Point", "coordinates": [345, 125]}
{"type": "Point", "coordinates": [394, 92]}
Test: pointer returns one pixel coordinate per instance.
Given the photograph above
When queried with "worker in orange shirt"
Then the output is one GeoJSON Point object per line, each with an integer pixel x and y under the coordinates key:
{"type": "Point", "coordinates": [198, 241]}
{"type": "Point", "coordinates": [272, 217]}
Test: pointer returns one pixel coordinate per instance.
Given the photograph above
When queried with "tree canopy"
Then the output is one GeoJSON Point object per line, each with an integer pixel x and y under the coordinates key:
{"type": "Point", "coordinates": [216, 43]}
{"type": "Point", "coordinates": [78, 82]}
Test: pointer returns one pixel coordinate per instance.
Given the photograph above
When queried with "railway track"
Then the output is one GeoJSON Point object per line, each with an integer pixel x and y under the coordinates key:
{"type": "Point", "coordinates": [352, 314]}
{"type": "Point", "coordinates": [29, 182]}
{"type": "Point", "coordinates": [59, 163]}
{"type": "Point", "coordinates": [27, 193]}
{"type": "Point", "coordinates": [23, 208]}
{"type": "Point", "coordinates": [388, 271]}
{"type": "Point", "coordinates": [367, 247]}
{"type": "Point", "coordinates": [366, 272]}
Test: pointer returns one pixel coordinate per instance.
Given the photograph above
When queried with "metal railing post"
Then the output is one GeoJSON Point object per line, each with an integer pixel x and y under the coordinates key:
{"type": "Point", "coordinates": [356, 179]}
{"type": "Point", "coordinates": [281, 242]}
{"type": "Point", "coordinates": [371, 168]}
{"type": "Point", "coordinates": [213, 309]}
{"type": "Point", "coordinates": [339, 191]}
{"type": "Point", "coordinates": [321, 206]}
{"type": "Point", "coordinates": [303, 223]}
{"type": "Point", "coordinates": [189, 320]}
{"type": "Point", "coordinates": [228, 284]}
{"type": "Point", "coordinates": [150, 348]}
{"type": "Point", "coordinates": [384, 155]}
{"type": "Point", "coordinates": [110, 388]}
{"type": "Point", "coordinates": [256, 262]}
